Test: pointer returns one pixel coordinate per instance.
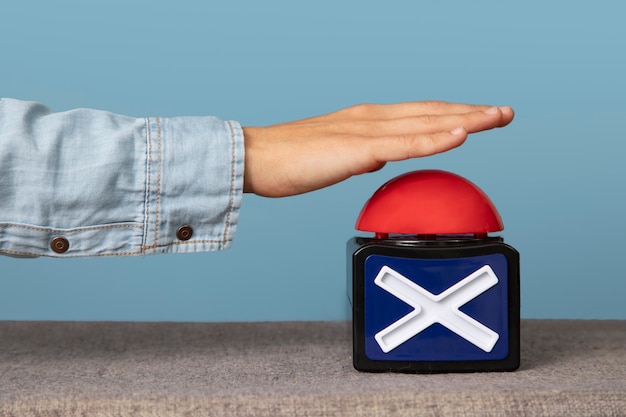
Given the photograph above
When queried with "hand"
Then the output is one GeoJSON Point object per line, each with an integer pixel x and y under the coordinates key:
{"type": "Point", "coordinates": [305, 155]}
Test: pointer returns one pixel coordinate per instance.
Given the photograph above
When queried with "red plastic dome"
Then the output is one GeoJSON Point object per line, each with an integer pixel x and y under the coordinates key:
{"type": "Point", "coordinates": [429, 202]}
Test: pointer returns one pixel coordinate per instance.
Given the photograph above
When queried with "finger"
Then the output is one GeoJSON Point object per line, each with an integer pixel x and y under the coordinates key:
{"type": "Point", "coordinates": [412, 109]}
{"type": "Point", "coordinates": [475, 121]}
{"type": "Point", "coordinates": [391, 112]}
{"type": "Point", "coordinates": [395, 111]}
{"type": "Point", "coordinates": [440, 108]}
{"type": "Point", "coordinates": [507, 115]}
{"type": "Point", "coordinates": [404, 147]}
{"type": "Point", "coordinates": [435, 108]}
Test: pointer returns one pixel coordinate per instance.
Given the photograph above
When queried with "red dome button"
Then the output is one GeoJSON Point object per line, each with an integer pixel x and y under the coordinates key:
{"type": "Point", "coordinates": [429, 202]}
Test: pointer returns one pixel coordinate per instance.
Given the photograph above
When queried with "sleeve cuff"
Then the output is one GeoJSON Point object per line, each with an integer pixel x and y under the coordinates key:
{"type": "Point", "coordinates": [194, 184]}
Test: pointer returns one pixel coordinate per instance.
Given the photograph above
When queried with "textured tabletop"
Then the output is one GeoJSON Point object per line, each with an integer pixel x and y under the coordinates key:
{"type": "Point", "coordinates": [292, 368]}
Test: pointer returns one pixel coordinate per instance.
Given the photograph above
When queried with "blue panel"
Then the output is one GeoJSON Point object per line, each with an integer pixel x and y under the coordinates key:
{"type": "Point", "coordinates": [436, 342]}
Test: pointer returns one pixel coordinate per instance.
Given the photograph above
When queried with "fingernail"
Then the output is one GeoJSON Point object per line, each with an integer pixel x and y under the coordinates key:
{"type": "Point", "coordinates": [491, 110]}
{"type": "Point", "coordinates": [457, 131]}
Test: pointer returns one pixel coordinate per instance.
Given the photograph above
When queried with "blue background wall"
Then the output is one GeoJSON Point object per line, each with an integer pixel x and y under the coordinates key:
{"type": "Point", "coordinates": [556, 174]}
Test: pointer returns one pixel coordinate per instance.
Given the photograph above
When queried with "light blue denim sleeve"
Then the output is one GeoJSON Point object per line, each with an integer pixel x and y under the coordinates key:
{"type": "Point", "coordinates": [101, 184]}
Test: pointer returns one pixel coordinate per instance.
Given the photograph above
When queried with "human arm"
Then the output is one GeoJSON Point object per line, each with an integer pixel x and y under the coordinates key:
{"type": "Point", "coordinates": [111, 185]}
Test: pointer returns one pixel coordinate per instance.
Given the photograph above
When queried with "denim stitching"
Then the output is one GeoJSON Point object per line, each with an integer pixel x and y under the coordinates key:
{"type": "Point", "coordinates": [192, 242]}
{"type": "Point", "coordinates": [40, 255]}
{"type": "Point", "coordinates": [158, 196]}
{"type": "Point", "coordinates": [100, 255]}
{"type": "Point", "coordinates": [147, 197]}
{"type": "Point", "coordinates": [232, 182]}
{"type": "Point", "coordinates": [67, 231]}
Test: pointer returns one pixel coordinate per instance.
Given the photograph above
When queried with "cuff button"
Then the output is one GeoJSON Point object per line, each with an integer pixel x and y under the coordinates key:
{"type": "Point", "coordinates": [59, 244]}
{"type": "Point", "coordinates": [184, 232]}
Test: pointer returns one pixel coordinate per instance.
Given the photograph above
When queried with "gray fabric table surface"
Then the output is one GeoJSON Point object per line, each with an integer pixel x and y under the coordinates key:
{"type": "Point", "coordinates": [292, 368]}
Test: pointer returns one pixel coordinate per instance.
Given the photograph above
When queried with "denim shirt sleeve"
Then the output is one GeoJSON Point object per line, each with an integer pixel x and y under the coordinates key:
{"type": "Point", "coordinates": [103, 184]}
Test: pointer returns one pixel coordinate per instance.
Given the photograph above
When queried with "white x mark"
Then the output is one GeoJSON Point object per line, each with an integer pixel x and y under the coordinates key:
{"type": "Point", "coordinates": [430, 309]}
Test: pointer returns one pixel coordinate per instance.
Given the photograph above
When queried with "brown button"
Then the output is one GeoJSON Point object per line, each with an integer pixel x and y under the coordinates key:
{"type": "Point", "coordinates": [184, 232]}
{"type": "Point", "coordinates": [59, 244]}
